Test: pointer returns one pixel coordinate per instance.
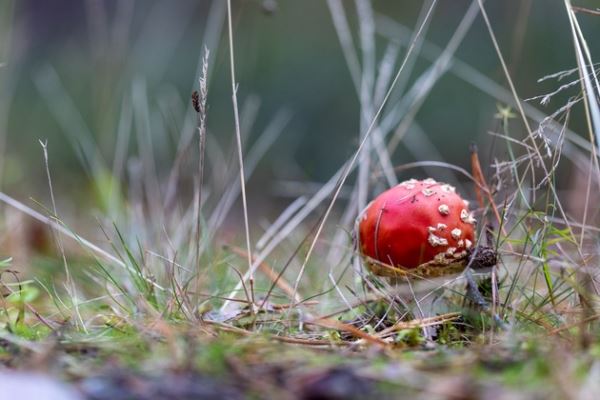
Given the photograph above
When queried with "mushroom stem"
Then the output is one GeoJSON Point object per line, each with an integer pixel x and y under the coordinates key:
{"type": "Point", "coordinates": [419, 303]}
{"type": "Point", "coordinates": [425, 307]}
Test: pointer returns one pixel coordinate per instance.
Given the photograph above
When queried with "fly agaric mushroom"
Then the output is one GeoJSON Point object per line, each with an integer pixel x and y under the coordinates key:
{"type": "Point", "coordinates": [416, 229]}
{"type": "Point", "coordinates": [423, 229]}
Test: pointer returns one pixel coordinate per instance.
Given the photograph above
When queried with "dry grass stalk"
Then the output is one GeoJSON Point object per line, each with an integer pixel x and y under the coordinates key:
{"type": "Point", "coordinates": [419, 323]}
{"type": "Point", "coordinates": [199, 103]}
{"type": "Point", "coordinates": [340, 326]}
{"type": "Point", "coordinates": [238, 136]}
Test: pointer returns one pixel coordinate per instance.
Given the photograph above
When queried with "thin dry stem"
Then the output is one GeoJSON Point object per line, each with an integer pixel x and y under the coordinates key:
{"type": "Point", "coordinates": [201, 114]}
{"type": "Point", "coordinates": [238, 136]}
{"type": "Point", "coordinates": [69, 280]}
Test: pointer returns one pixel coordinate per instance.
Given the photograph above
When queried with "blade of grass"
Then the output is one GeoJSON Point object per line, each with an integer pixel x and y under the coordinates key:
{"type": "Point", "coordinates": [4, 198]}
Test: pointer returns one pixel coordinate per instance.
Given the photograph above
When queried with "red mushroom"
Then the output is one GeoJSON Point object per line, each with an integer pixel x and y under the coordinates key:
{"type": "Point", "coordinates": [416, 229]}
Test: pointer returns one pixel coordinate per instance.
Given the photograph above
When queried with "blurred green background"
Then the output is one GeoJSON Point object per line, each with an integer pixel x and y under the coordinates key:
{"type": "Point", "coordinates": [71, 68]}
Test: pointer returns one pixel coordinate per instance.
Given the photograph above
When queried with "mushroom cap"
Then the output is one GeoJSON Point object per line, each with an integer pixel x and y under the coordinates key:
{"type": "Point", "coordinates": [413, 224]}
